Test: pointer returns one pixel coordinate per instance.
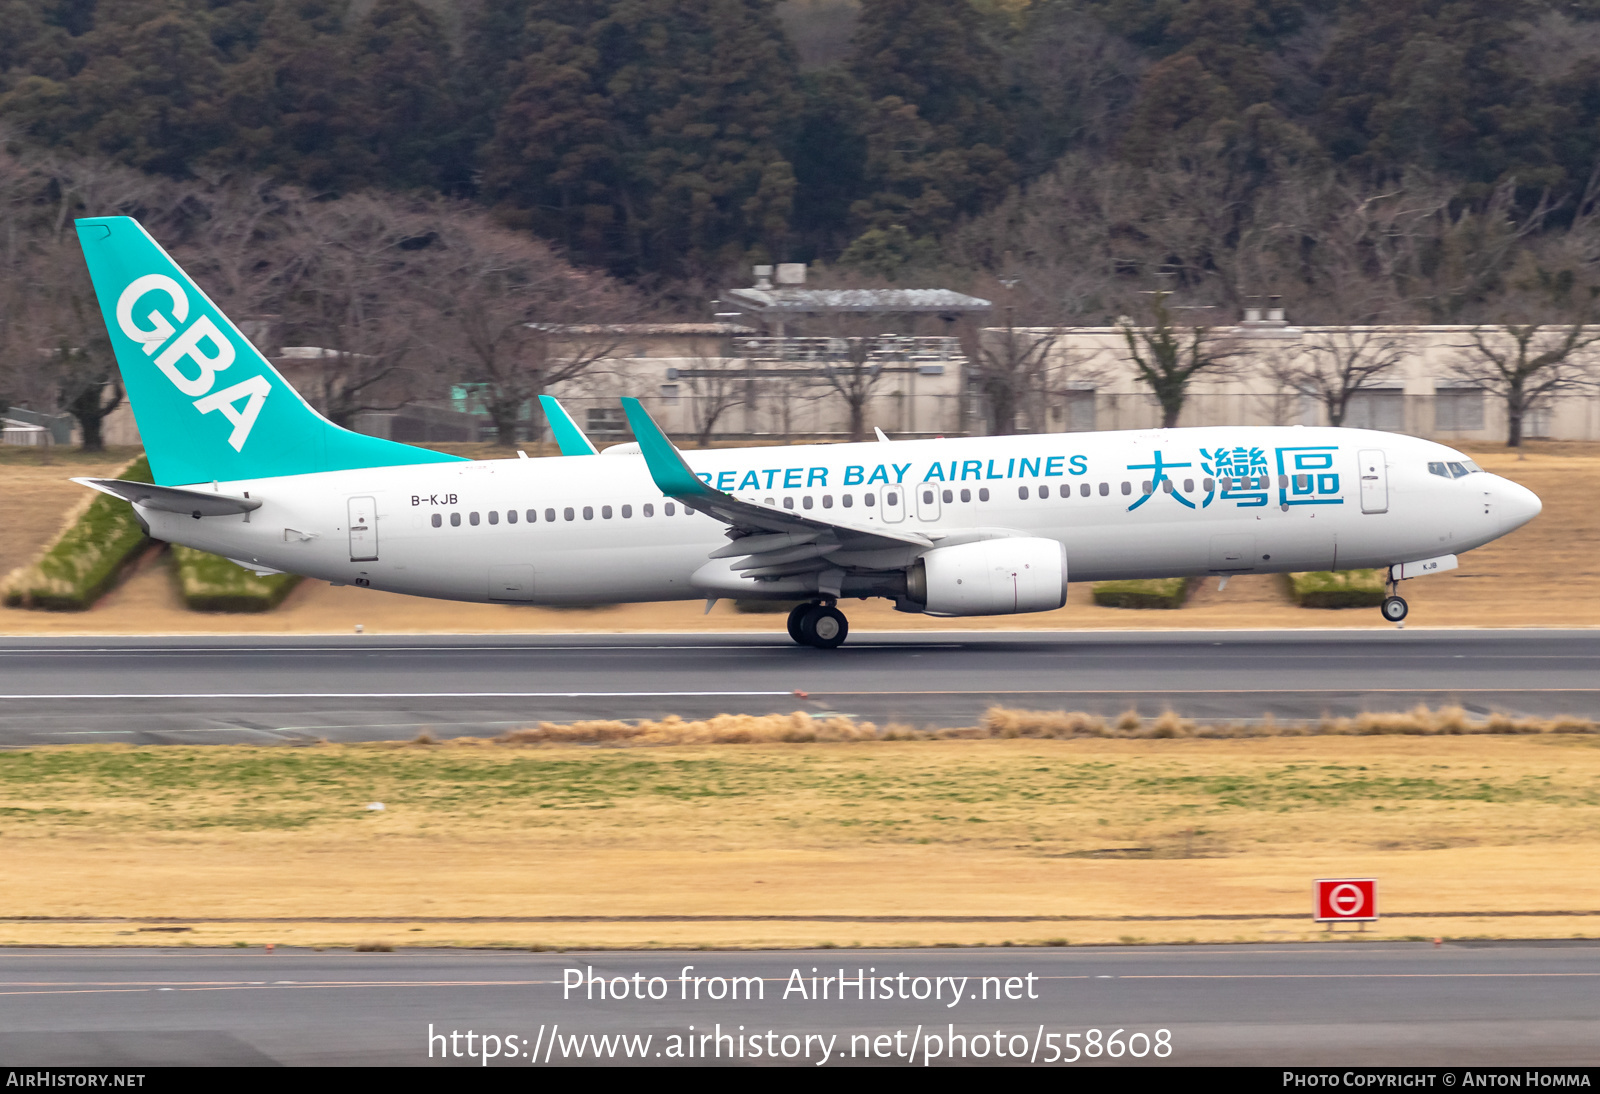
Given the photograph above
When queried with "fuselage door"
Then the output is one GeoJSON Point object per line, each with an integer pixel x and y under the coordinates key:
{"type": "Point", "coordinates": [363, 530]}
{"type": "Point", "coordinates": [893, 510]}
{"type": "Point", "coordinates": [1374, 481]}
{"type": "Point", "coordinates": [927, 495]}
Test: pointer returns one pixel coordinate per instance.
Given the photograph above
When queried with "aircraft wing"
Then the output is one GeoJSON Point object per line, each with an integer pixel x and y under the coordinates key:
{"type": "Point", "coordinates": [569, 438]}
{"type": "Point", "coordinates": [173, 499]}
{"type": "Point", "coordinates": [769, 541]}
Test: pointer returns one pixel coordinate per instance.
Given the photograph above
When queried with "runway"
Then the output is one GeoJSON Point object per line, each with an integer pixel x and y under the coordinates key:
{"type": "Point", "coordinates": [1362, 1004]}
{"type": "Point", "coordinates": [214, 690]}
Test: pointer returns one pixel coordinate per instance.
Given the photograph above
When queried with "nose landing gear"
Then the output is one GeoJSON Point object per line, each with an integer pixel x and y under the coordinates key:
{"type": "Point", "coordinates": [818, 624]}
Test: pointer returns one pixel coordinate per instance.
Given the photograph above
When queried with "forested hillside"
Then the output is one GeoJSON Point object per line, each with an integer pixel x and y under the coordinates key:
{"type": "Point", "coordinates": [1361, 157]}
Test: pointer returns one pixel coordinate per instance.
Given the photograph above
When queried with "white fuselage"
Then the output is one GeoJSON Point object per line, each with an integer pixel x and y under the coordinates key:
{"type": "Point", "coordinates": [595, 529]}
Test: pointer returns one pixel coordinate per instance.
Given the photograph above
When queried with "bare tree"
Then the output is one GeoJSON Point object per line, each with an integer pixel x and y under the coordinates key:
{"type": "Point", "coordinates": [1335, 364]}
{"type": "Point", "coordinates": [854, 373]}
{"type": "Point", "coordinates": [515, 319]}
{"type": "Point", "coordinates": [716, 386]}
{"type": "Point", "coordinates": [1525, 366]}
{"type": "Point", "coordinates": [1009, 366]}
{"type": "Point", "coordinates": [351, 277]}
{"type": "Point", "coordinates": [1167, 357]}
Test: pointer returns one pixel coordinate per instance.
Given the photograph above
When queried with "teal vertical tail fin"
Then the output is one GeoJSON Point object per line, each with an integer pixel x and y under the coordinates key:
{"type": "Point", "coordinates": [208, 404]}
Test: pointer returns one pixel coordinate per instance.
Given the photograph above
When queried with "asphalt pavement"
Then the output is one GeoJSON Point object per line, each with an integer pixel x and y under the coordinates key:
{"type": "Point", "coordinates": [1336, 1004]}
{"type": "Point", "coordinates": [214, 690]}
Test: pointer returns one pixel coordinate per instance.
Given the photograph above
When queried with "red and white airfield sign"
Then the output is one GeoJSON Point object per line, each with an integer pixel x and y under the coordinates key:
{"type": "Point", "coordinates": [1347, 900]}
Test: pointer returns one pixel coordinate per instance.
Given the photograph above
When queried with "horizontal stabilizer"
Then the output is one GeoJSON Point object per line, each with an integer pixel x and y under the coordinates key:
{"type": "Point", "coordinates": [172, 499]}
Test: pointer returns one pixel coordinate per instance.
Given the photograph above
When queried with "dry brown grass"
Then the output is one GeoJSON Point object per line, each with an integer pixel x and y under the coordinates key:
{"type": "Point", "coordinates": [1102, 827]}
{"type": "Point", "coordinates": [1002, 723]}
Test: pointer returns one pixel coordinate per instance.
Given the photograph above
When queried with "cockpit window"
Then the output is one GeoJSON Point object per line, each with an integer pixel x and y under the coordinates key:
{"type": "Point", "coordinates": [1452, 469]}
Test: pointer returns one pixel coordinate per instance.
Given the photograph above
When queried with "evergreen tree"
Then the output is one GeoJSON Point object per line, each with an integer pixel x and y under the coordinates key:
{"type": "Point", "coordinates": [402, 62]}
{"type": "Point", "coordinates": [293, 101]}
{"type": "Point", "coordinates": [142, 86]}
{"type": "Point", "coordinates": [1433, 85]}
{"type": "Point", "coordinates": [646, 135]}
{"type": "Point", "coordinates": [937, 130]}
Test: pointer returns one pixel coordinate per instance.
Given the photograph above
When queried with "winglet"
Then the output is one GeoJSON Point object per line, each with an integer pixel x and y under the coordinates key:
{"type": "Point", "coordinates": [568, 436]}
{"type": "Point", "coordinates": [673, 477]}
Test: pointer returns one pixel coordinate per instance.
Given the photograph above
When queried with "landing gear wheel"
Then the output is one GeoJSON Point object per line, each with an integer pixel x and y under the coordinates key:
{"type": "Point", "coordinates": [1394, 608]}
{"type": "Point", "coordinates": [795, 617]}
{"type": "Point", "coordinates": [824, 627]}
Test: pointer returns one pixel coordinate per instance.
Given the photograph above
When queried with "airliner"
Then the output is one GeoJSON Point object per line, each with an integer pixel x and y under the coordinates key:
{"type": "Point", "coordinates": [246, 469]}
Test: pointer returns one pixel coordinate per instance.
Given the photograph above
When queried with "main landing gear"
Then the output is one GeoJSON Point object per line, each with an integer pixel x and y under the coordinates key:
{"type": "Point", "coordinates": [818, 624]}
{"type": "Point", "coordinates": [1394, 606]}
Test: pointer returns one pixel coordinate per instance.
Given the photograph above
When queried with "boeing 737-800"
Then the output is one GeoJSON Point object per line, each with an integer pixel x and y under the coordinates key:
{"type": "Point", "coordinates": [245, 468]}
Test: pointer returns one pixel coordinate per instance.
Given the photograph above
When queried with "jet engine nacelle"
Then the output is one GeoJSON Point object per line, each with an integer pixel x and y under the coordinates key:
{"type": "Point", "coordinates": [991, 577]}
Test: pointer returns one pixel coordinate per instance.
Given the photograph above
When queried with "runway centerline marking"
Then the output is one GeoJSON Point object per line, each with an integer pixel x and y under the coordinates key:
{"type": "Point", "coordinates": [57, 696]}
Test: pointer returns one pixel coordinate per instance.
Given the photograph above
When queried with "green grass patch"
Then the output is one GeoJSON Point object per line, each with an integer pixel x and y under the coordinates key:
{"type": "Point", "coordinates": [85, 561]}
{"type": "Point", "coordinates": [962, 792]}
{"type": "Point", "coordinates": [1156, 592]}
{"type": "Point", "coordinates": [1337, 589]}
{"type": "Point", "coordinates": [210, 583]}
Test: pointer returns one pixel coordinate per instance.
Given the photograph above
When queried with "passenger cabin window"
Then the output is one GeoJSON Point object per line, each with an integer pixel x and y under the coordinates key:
{"type": "Point", "coordinates": [649, 510]}
{"type": "Point", "coordinates": [605, 512]}
{"type": "Point", "coordinates": [1127, 488]}
{"type": "Point", "coordinates": [1084, 489]}
{"type": "Point", "coordinates": [805, 502]}
{"type": "Point", "coordinates": [1105, 489]}
{"type": "Point", "coordinates": [568, 514]}
{"type": "Point", "coordinates": [455, 520]}
{"type": "Point", "coordinates": [472, 519]}
{"type": "Point", "coordinates": [1022, 492]}
{"type": "Point", "coordinates": [627, 511]}
{"type": "Point", "coordinates": [533, 516]}
{"type": "Point", "coordinates": [550, 515]}
{"type": "Point", "coordinates": [437, 520]}
{"type": "Point", "coordinates": [827, 501]}
{"type": "Point", "coordinates": [848, 500]}
{"type": "Point", "coordinates": [866, 499]}
{"type": "Point", "coordinates": [788, 503]}
{"type": "Point", "coordinates": [966, 495]}
{"type": "Point", "coordinates": [983, 493]}
{"type": "Point", "coordinates": [511, 516]}
{"type": "Point", "coordinates": [668, 509]}
{"type": "Point", "coordinates": [494, 516]}
{"type": "Point", "coordinates": [949, 496]}
{"type": "Point", "coordinates": [588, 512]}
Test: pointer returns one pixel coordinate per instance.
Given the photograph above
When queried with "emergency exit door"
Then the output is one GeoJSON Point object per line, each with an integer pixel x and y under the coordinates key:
{"type": "Point", "coordinates": [927, 501]}
{"type": "Point", "coordinates": [1374, 481]}
{"type": "Point", "coordinates": [893, 510]}
{"type": "Point", "coordinates": [363, 530]}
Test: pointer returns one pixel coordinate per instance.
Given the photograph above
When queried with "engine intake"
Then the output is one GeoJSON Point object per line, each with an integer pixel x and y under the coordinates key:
{"type": "Point", "coordinates": [991, 577]}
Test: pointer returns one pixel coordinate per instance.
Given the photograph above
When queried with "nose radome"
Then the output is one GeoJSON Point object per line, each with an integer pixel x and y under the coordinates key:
{"type": "Point", "coordinates": [1515, 504]}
